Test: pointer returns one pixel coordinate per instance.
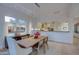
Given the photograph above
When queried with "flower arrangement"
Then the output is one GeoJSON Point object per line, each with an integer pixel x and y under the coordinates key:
{"type": "Point", "coordinates": [37, 34]}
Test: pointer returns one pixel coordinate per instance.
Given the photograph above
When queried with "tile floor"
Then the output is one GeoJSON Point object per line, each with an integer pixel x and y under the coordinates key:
{"type": "Point", "coordinates": [56, 48]}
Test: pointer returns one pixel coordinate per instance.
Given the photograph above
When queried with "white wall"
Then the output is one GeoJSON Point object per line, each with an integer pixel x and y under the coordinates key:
{"type": "Point", "coordinates": [1, 30]}
{"type": "Point", "coordinates": [5, 11]}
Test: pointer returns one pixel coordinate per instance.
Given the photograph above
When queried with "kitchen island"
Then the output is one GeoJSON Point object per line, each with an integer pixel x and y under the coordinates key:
{"type": "Point", "coordinates": [58, 36]}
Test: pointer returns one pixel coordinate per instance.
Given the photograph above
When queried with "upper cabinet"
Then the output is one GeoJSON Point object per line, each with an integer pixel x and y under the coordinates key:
{"type": "Point", "coordinates": [53, 26]}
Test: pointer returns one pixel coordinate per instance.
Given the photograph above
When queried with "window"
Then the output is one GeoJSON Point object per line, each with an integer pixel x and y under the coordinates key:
{"type": "Point", "coordinates": [9, 19]}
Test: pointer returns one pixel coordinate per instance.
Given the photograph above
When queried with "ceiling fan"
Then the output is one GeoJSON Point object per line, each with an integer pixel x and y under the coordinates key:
{"type": "Point", "coordinates": [37, 5]}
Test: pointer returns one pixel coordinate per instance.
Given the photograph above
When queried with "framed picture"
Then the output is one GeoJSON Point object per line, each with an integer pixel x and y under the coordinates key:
{"type": "Point", "coordinates": [11, 29]}
{"type": "Point", "coordinates": [20, 29]}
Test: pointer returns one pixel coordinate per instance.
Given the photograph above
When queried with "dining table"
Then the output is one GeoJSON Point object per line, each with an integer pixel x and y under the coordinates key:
{"type": "Point", "coordinates": [31, 41]}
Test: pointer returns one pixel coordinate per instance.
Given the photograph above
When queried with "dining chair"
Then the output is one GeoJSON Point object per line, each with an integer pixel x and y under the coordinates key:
{"type": "Point", "coordinates": [15, 49]}
{"type": "Point", "coordinates": [38, 45]}
{"type": "Point", "coordinates": [45, 42]}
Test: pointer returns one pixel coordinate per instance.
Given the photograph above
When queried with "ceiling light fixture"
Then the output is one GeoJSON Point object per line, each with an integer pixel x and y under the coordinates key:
{"type": "Point", "coordinates": [37, 5]}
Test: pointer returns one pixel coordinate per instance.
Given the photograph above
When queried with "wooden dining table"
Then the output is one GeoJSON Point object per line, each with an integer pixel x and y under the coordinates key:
{"type": "Point", "coordinates": [28, 42]}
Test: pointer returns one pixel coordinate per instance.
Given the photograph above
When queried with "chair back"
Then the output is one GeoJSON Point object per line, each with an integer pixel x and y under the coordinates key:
{"type": "Point", "coordinates": [11, 45]}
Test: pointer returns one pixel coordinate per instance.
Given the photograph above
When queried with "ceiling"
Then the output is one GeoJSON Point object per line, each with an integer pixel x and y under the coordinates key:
{"type": "Point", "coordinates": [50, 10]}
{"type": "Point", "coordinates": [55, 11]}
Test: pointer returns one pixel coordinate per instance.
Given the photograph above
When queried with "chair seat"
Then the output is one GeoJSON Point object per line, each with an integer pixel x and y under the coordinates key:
{"type": "Point", "coordinates": [23, 51]}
